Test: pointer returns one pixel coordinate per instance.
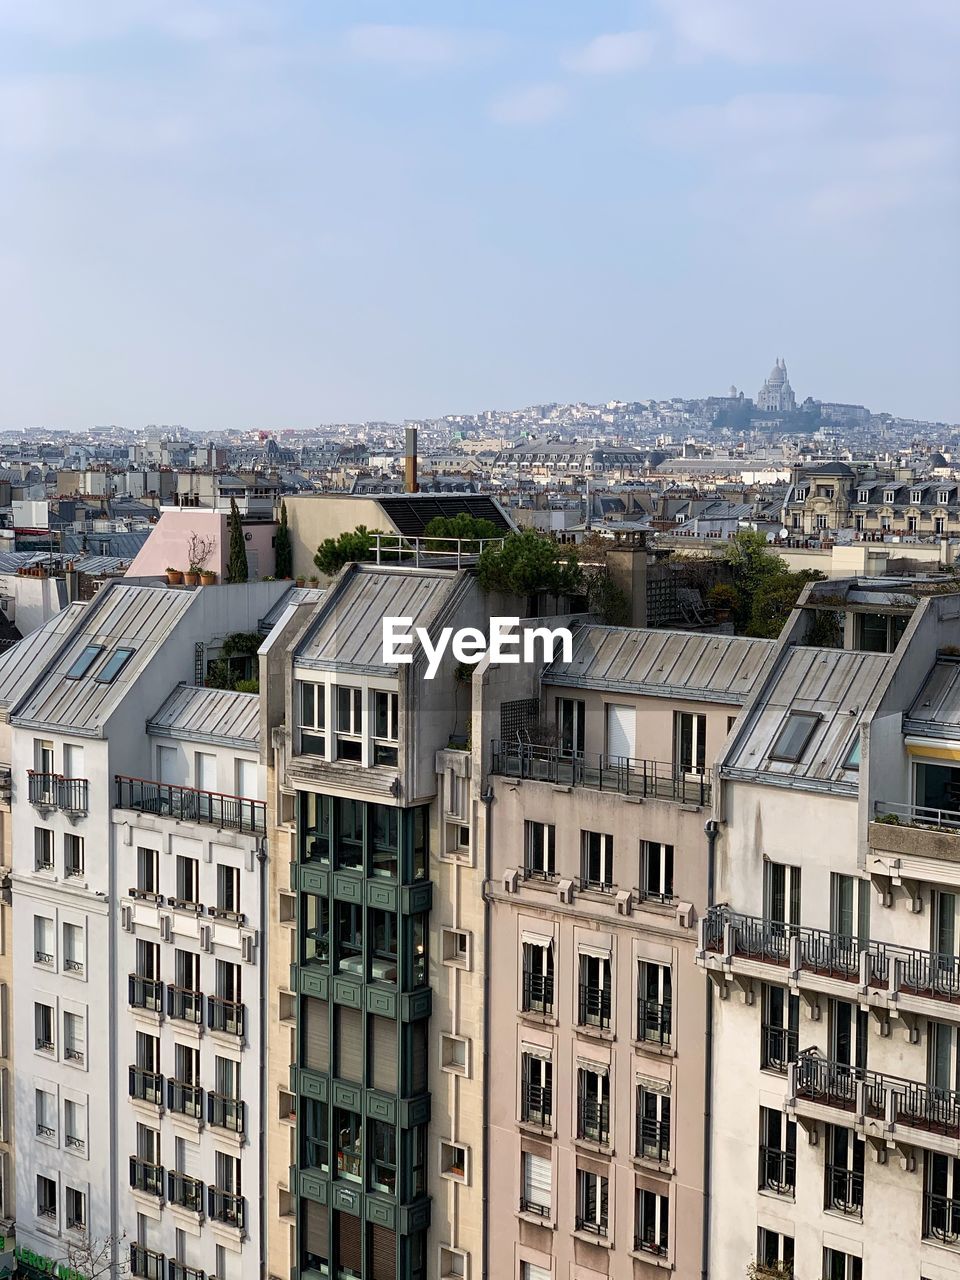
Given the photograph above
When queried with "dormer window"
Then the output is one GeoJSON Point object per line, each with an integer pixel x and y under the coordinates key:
{"type": "Point", "coordinates": [795, 735]}
{"type": "Point", "coordinates": [916, 495]}
{"type": "Point", "coordinates": [863, 495]}
{"type": "Point", "coordinates": [943, 496]}
{"type": "Point", "coordinates": [889, 495]}
{"type": "Point", "coordinates": [349, 723]}
{"type": "Point", "coordinates": [801, 495]}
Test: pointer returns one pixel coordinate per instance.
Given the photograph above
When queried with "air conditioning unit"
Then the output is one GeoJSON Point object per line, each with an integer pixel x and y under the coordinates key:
{"type": "Point", "coordinates": [624, 902]}
{"type": "Point", "coordinates": [565, 891]}
{"type": "Point", "coordinates": [510, 879]}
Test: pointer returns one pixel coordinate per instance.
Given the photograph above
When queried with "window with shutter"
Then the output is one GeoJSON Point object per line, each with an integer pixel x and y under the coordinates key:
{"type": "Point", "coordinates": [537, 1182]}
{"type": "Point", "coordinates": [349, 1243]}
{"type": "Point", "coordinates": [313, 1219]}
{"type": "Point", "coordinates": [316, 1034]}
{"type": "Point", "coordinates": [349, 1043]}
{"type": "Point", "coordinates": [418, 1057]}
{"type": "Point", "coordinates": [383, 1253]}
{"type": "Point", "coordinates": [383, 1049]}
{"type": "Point", "coordinates": [532, 1272]}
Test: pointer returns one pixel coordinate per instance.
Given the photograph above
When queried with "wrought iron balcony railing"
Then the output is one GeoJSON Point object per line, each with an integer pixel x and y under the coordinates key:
{"type": "Point", "coordinates": [941, 1218]}
{"type": "Point", "coordinates": [185, 1004]}
{"type": "Point", "coordinates": [189, 804]}
{"type": "Point", "coordinates": [54, 791]}
{"type": "Point", "coordinates": [185, 1099]}
{"type": "Point", "coordinates": [145, 1263]}
{"type": "Point", "coordinates": [226, 1113]}
{"type": "Point", "coordinates": [228, 1016]}
{"type": "Point", "coordinates": [593, 1120]}
{"type": "Point", "coordinates": [778, 1047]}
{"type": "Point", "coordinates": [185, 1191]}
{"type": "Point", "coordinates": [592, 1226]}
{"type": "Point", "coordinates": [653, 1138]}
{"type": "Point", "coordinates": [594, 1006]}
{"type": "Point", "coordinates": [146, 1086]}
{"type": "Point", "coordinates": [227, 1207]}
{"type": "Point", "coordinates": [145, 993]}
{"type": "Point", "coordinates": [654, 1021]}
{"type": "Point", "coordinates": [538, 992]}
{"type": "Point", "coordinates": [180, 1271]}
{"type": "Point", "coordinates": [654, 779]}
{"type": "Point", "coordinates": [778, 1170]}
{"type": "Point", "coordinates": [535, 1207]}
{"type": "Point", "coordinates": [650, 1242]}
{"type": "Point", "coordinates": [844, 1191]}
{"type": "Point", "coordinates": [536, 1103]}
{"type": "Point", "coordinates": [907, 1103]}
{"type": "Point", "coordinates": [146, 1177]}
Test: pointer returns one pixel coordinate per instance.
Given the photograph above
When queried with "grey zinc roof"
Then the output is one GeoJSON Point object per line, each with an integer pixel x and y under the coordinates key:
{"type": "Point", "coordinates": [834, 684]}
{"type": "Point", "coordinates": [121, 616]}
{"type": "Point", "coordinates": [20, 663]}
{"type": "Point", "coordinates": [296, 595]}
{"type": "Point", "coordinates": [936, 712]}
{"type": "Point", "coordinates": [690, 665]}
{"type": "Point", "coordinates": [209, 715]}
{"type": "Point", "coordinates": [348, 629]}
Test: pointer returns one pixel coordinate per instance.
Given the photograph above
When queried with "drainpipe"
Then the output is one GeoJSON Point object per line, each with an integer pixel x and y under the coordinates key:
{"type": "Point", "coordinates": [486, 798]}
{"type": "Point", "coordinates": [112, 923]}
{"type": "Point", "coordinates": [264, 1008]}
{"type": "Point", "coordinates": [711, 830]}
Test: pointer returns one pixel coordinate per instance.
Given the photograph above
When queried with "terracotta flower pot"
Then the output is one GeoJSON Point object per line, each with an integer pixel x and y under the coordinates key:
{"type": "Point", "coordinates": [174, 576]}
{"type": "Point", "coordinates": [207, 579]}
{"type": "Point", "coordinates": [191, 579]}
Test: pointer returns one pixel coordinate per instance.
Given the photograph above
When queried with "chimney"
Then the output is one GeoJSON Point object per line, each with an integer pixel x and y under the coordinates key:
{"type": "Point", "coordinates": [410, 462]}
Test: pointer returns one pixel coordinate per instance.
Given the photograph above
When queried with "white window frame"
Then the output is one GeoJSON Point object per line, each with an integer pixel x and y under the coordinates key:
{"type": "Point", "coordinates": [312, 724]}
{"type": "Point", "coordinates": [596, 846]}
{"type": "Point", "coordinates": [540, 841]}
{"type": "Point", "coordinates": [657, 866]}
{"type": "Point", "coordinates": [536, 1183]}
{"type": "Point", "coordinates": [601, 1198]}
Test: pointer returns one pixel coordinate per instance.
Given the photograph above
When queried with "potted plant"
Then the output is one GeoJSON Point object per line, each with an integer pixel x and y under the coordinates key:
{"type": "Point", "coordinates": [192, 576]}
{"type": "Point", "coordinates": [207, 577]}
{"type": "Point", "coordinates": [314, 580]}
{"type": "Point", "coordinates": [723, 600]}
{"type": "Point", "coordinates": [301, 582]}
{"type": "Point", "coordinates": [174, 576]}
{"type": "Point", "coordinates": [199, 551]}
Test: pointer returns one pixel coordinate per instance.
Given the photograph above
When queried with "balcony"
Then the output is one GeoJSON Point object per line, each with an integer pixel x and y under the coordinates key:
{"type": "Point", "coordinates": [778, 1047]}
{"type": "Point", "coordinates": [185, 1004]}
{"type": "Point", "coordinates": [647, 1242]}
{"type": "Point", "coordinates": [146, 1263]}
{"type": "Point", "coordinates": [185, 1099]}
{"type": "Point", "coordinates": [146, 1086]}
{"type": "Point", "coordinates": [226, 1016]}
{"type": "Point", "coordinates": [536, 1104]}
{"type": "Point", "coordinates": [907, 1111]}
{"type": "Point", "coordinates": [941, 1219]}
{"type": "Point", "coordinates": [180, 1271]}
{"type": "Point", "coordinates": [653, 1139]}
{"type": "Point", "coordinates": [188, 804]}
{"type": "Point", "coordinates": [54, 791]}
{"type": "Point", "coordinates": [593, 1120]}
{"type": "Point", "coordinates": [226, 1113]}
{"type": "Point", "coordinates": [145, 993]}
{"type": "Point", "coordinates": [146, 1177]}
{"type": "Point", "coordinates": [538, 993]}
{"type": "Point", "coordinates": [535, 1207]}
{"type": "Point", "coordinates": [654, 1022]}
{"type": "Point", "coordinates": [184, 1191]}
{"type": "Point", "coordinates": [778, 1170]}
{"type": "Point", "coordinates": [844, 1191]}
{"type": "Point", "coordinates": [226, 1207]}
{"type": "Point", "coordinates": [593, 1008]}
{"type": "Point", "coordinates": [914, 830]}
{"type": "Point", "coordinates": [649, 779]}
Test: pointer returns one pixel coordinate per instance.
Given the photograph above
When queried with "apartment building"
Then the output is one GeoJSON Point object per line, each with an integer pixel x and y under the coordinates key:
{"type": "Point", "coordinates": [832, 955]}
{"type": "Point", "coordinates": [594, 786]}
{"type": "Point", "coordinates": [112, 760]}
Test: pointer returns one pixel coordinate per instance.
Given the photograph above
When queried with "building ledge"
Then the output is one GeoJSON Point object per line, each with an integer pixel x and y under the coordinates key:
{"type": "Point", "coordinates": [535, 1220]}
{"type": "Point", "coordinates": [588, 1237]}
{"type": "Point", "coordinates": [652, 1260]}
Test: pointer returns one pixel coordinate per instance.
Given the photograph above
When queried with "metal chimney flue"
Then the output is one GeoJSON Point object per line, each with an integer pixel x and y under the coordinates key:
{"type": "Point", "coordinates": [410, 484]}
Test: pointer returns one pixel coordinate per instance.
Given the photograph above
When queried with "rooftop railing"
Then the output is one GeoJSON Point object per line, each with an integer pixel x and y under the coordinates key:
{"type": "Point", "coordinates": [652, 779]}
{"type": "Point", "coordinates": [399, 548]}
{"type": "Point", "coordinates": [916, 815]}
{"type": "Point", "coordinates": [189, 804]}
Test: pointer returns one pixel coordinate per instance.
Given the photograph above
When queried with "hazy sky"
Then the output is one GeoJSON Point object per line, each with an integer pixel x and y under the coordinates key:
{"type": "Point", "coordinates": [273, 213]}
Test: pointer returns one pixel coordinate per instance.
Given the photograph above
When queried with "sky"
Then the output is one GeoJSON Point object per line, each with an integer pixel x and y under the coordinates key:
{"type": "Point", "coordinates": [276, 213]}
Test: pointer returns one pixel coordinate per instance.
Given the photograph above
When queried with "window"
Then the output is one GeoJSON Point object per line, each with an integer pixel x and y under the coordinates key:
{"type": "Point", "coordinates": [536, 1180]}
{"type": "Point", "coordinates": [453, 1263]}
{"type": "Point", "coordinates": [863, 495]}
{"type": "Point", "coordinates": [43, 849]}
{"type": "Point", "coordinates": [792, 740]}
{"type": "Point", "coordinates": [653, 1223]}
{"type": "Point", "coordinates": [849, 1033]}
{"type": "Point", "coordinates": [852, 759]}
{"type": "Point", "coordinates": [46, 1105]}
{"type": "Point", "coordinates": [916, 495]}
{"type": "Point", "coordinates": [453, 1161]}
{"type": "Point", "coordinates": [539, 850]}
{"type": "Point", "coordinates": [348, 1129]}
{"type": "Point", "coordinates": [73, 860]}
{"type": "Point", "coordinates": [228, 891]}
{"type": "Point", "coordinates": [653, 1121]}
{"type": "Point", "coordinates": [188, 881]}
{"type": "Point", "coordinates": [312, 719]}
{"type": "Point", "coordinates": [775, 1251]}
{"type": "Point", "coordinates": [114, 665]}
{"type": "Point", "coordinates": [383, 946]}
{"type": "Point", "coordinates": [596, 860]}
{"type": "Point", "coordinates": [73, 948]}
{"type": "Point", "coordinates": [941, 1199]}
{"type": "Point", "coordinates": [843, 1184]}
{"type": "Point", "coordinates": [571, 719]}
{"type": "Point", "coordinates": [689, 742]}
{"type": "Point", "coordinates": [456, 947]}
{"type": "Point", "coordinates": [349, 723]}
{"type": "Point", "coordinates": [76, 1204]}
{"type": "Point", "coordinates": [656, 871]}
{"type": "Point", "coordinates": [530, 1271]}
{"type": "Point", "coordinates": [386, 727]}
{"type": "Point", "coordinates": [779, 1028]}
{"type": "Point", "coordinates": [383, 1156]}
{"type": "Point", "coordinates": [782, 893]}
{"type": "Point", "coordinates": [46, 1197]}
{"type": "Point", "coordinates": [889, 495]}
{"type": "Point", "coordinates": [536, 1087]}
{"type": "Point", "coordinates": [593, 1104]}
{"type": "Point", "coordinates": [316, 1150]}
{"type": "Point", "coordinates": [595, 981]}
{"type": "Point", "coordinates": [43, 1027]}
{"type": "Point", "coordinates": [591, 1203]}
{"type": "Point", "coordinates": [349, 834]}
{"type": "Point", "coordinates": [73, 1038]}
{"type": "Point", "coordinates": [537, 993]}
{"type": "Point", "coordinates": [315, 935]}
{"type": "Point", "coordinates": [384, 827]}
{"type": "Point", "coordinates": [84, 661]}
{"type": "Point", "coordinates": [148, 874]}
{"type": "Point", "coordinates": [654, 1002]}
{"type": "Point", "coordinates": [850, 913]}
{"type": "Point", "coordinates": [841, 1266]}
{"type": "Point", "coordinates": [348, 936]}
{"type": "Point", "coordinates": [778, 1152]}
{"type": "Point", "coordinates": [43, 941]}
{"type": "Point", "coordinates": [75, 1125]}
{"type": "Point", "coordinates": [314, 827]}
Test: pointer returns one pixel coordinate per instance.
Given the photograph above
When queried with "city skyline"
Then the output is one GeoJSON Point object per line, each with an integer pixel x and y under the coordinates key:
{"type": "Point", "coordinates": [263, 216]}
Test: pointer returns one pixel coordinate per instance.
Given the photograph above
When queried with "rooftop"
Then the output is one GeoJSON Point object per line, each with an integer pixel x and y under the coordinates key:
{"type": "Point", "coordinates": [27, 656]}
{"type": "Point", "coordinates": [218, 716]}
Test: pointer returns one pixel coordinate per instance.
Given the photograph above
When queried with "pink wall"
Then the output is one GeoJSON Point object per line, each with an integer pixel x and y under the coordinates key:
{"type": "Point", "coordinates": [167, 544]}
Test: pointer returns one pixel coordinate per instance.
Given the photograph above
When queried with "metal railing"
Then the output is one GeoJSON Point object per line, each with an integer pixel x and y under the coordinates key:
{"type": "Point", "coordinates": [654, 779]}
{"type": "Point", "coordinates": [145, 1263]}
{"type": "Point", "coordinates": [395, 548]}
{"type": "Point", "coordinates": [941, 1218]}
{"type": "Point", "coordinates": [180, 1271]}
{"type": "Point", "coordinates": [185, 1099]}
{"type": "Point", "coordinates": [778, 1047]}
{"type": "Point", "coordinates": [189, 804]}
{"type": "Point", "coordinates": [226, 1206]}
{"type": "Point", "coordinates": [654, 1021]}
{"type": "Point", "coordinates": [593, 1009]}
{"type": "Point", "coordinates": [593, 1120]}
{"type": "Point", "coordinates": [647, 1242]}
{"type": "Point", "coordinates": [778, 1170]}
{"type": "Point", "coordinates": [536, 1103]}
{"type": "Point", "coordinates": [144, 993]}
{"type": "Point", "coordinates": [45, 1130]}
{"type": "Point", "coordinates": [653, 1138]}
{"type": "Point", "coordinates": [185, 1004]}
{"type": "Point", "coordinates": [844, 1191]}
{"type": "Point", "coordinates": [146, 1177]}
{"type": "Point", "coordinates": [595, 886]}
{"type": "Point", "coordinates": [42, 957]}
{"type": "Point", "coordinates": [145, 1086]}
{"type": "Point", "coordinates": [916, 815]}
{"type": "Point", "coordinates": [533, 1206]}
{"type": "Point", "coordinates": [537, 992]}
{"type": "Point", "coordinates": [54, 791]}
{"type": "Point", "coordinates": [228, 1016]}
{"type": "Point", "coordinates": [227, 1113]}
{"type": "Point", "coordinates": [591, 1226]}
{"type": "Point", "coordinates": [909, 1103]}
{"type": "Point", "coordinates": [185, 1191]}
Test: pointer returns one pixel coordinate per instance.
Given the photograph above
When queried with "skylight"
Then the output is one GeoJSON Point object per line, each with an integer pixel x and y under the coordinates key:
{"type": "Point", "coordinates": [852, 759]}
{"type": "Point", "coordinates": [82, 664]}
{"type": "Point", "coordinates": [114, 665]}
{"type": "Point", "coordinates": [793, 737]}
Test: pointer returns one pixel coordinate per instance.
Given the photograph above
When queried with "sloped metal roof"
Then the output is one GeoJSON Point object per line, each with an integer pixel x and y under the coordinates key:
{"type": "Point", "coordinates": [209, 715]}
{"type": "Point", "coordinates": [20, 663]}
{"type": "Point", "coordinates": [936, 711]}
{"type": "Point", "coordinates": [296, 595]}
{"type": "Point", "coordinates": [670, 664]}
{"type": "Point", "coordinates": [834, 684]}
{"type": "Point", "coordinates": [121, 616]}
{"type": "Point", "coordinates": [348, 630]}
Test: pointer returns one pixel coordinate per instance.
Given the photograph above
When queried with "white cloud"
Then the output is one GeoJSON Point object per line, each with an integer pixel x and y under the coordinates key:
{"type": "Point", "coordinates": [614, 53]}
{"type": "Point", "coordinates": [403, 46]}
{"type": "Point", "coordinates": [535, 104]}
{"type": "Point", "coordinates": [188, 21]}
